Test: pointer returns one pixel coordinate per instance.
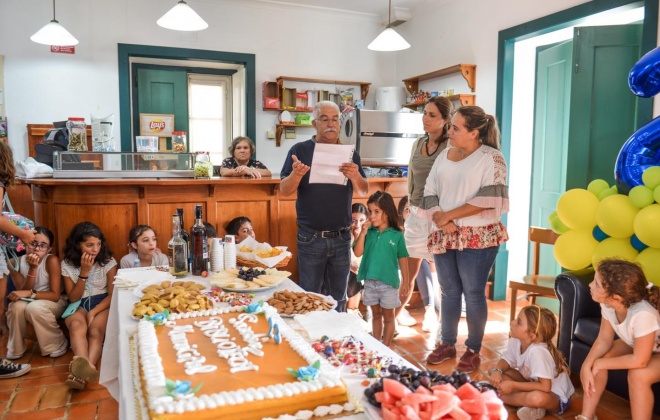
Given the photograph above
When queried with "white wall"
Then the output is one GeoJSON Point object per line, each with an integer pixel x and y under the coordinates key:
{"type": "Point", "coordinates": [42, 87]}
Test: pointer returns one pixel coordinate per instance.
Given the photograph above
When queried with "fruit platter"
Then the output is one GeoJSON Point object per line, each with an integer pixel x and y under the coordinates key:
{"type": "Point", "coordinates": [408, 393]}
{"type": "Point", "coordinates": [248, 279]}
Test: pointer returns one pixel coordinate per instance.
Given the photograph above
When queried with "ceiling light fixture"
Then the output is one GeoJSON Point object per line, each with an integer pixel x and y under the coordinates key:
{"type": "Point", "coordinates": [182, 18]}
{"type": "Point", "coordinates": [389, 39]}
{"type": "Point", "coordinates": [54, 34]}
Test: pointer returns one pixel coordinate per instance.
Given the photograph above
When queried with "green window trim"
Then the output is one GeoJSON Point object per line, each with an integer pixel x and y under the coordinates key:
{"type": "Point", "coordinates": [126, 51]}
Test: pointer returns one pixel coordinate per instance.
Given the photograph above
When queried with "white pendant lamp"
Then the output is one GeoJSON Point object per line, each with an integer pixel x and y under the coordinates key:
{"type": "Point", "coordinates": [182, 18]}
{"type": "Point", "coordinates": [389, 39]}
{"type": "Point", "coordinates": [54, 34]}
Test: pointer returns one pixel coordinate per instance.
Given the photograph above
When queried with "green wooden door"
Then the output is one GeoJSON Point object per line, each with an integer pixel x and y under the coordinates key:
{"type": "Point", "coordinates": [162, 92]}
{"type": "Point", "coordinates": [603, 110]}
{"type": "Point", "coordinates": [550, 148]}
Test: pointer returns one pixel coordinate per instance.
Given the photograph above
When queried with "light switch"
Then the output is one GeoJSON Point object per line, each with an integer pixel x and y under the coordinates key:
{"type": "Point", "coordinates": [270, 134]}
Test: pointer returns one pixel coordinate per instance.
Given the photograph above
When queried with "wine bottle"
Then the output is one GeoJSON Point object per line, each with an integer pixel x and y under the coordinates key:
{"type": "Point", "coordinates": [200, 254]}
{"type": "Point", "coordinates": [184, 234]}
{"type": "Point", "coordinates": [177, 248]}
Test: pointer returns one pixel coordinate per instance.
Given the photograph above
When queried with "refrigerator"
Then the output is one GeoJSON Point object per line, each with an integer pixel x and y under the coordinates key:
{"type": "Point", "coordinates": [382, 138]}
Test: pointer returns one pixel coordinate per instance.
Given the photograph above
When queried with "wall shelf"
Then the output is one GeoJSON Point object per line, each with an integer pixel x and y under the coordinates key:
{"type": "Point", "coordinates": [468, 71]}
{"type": "Point", "coordinates": [279, 130]}
{"type": "Point", "coordinates": [464, 99]}
{"type": "Point", "coordinates": [364, 86]}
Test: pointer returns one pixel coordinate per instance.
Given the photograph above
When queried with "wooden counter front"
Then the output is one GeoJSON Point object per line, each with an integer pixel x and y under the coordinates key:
{"type": "Point", "coordinates": [116, 205]}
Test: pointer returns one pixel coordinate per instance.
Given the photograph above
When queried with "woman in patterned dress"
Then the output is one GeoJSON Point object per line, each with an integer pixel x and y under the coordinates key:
{"type": "Point", "coordinates": [240, 163]}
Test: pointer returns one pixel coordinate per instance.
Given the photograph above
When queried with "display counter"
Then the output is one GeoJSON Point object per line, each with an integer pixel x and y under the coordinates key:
{"type": "Point", "coordinates": [116, 205]}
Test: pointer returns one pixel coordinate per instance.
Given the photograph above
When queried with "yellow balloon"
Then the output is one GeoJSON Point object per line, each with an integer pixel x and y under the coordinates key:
{"type": "Point", "coordinates": [619, 248]}
{"type": "Point", "coordinates": [647, 225]}
{"type": "Point", "coordinates": [615, 216]}
{"type": "Point", "coordinates": [573, 249]}
{"type": "Point", "coordinates": [649, 259]}
{"type": "Point", "coordinates": [577, 209]}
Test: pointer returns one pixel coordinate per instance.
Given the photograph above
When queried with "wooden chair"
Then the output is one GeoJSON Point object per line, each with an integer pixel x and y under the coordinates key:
{"type": "Point", "coordinates": [535, 284]}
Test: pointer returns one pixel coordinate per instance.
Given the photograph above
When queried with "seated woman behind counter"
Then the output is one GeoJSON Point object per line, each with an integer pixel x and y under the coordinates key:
{"type": "Point", "coordinates": [240, 164]}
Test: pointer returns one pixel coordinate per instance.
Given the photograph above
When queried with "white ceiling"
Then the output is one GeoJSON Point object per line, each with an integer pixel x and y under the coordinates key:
{"type": "Point", "coordinates": [369, 7]}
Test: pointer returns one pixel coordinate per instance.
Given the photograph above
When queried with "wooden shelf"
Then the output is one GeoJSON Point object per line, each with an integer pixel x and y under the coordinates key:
{"type": "Point", "coordinates": [279, 130]}
{"type": "Point", "coordinates": [468, 71]}
{"type": "Point", "coordinates": [464, 99]}
{"type": "Point", "coordinates": [364, 86]}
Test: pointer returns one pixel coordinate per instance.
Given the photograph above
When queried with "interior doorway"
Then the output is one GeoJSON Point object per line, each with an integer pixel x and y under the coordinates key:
{"type": "Point", "coordinates": [515, 105]}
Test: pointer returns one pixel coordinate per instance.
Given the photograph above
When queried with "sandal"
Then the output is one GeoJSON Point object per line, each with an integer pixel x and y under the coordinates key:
{"type": "Point", "coordinates": [73, 382]}
{"type": "Point", "coordinates": [583, 417]}
{"type": "Point", "coordinates": [81, 368]}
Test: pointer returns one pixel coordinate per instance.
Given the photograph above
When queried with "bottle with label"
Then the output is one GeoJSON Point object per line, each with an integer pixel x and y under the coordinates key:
{"type": "Point", "coordinates": [177, 251]}
{"type": "Point", "coordinates": [183, 232]}
{"type": "Point", "coordinates": [200, 253]}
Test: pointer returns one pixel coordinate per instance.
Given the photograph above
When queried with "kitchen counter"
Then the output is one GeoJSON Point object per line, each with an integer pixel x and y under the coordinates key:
{"type": "Point", "coordinates": [116, 205]}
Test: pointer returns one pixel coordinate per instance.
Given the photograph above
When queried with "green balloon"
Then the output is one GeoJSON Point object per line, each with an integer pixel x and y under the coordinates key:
{"type": "Point", "coordinates": [606, 193]}
{"type": "Point", "coordinates": [556, 224]}
{"type": "Point", "coordinates": [656, 194]}
{"type": "Point", "coordinates": [640, 196]}
{"type": "Point", "coordinates": [597, 185]}
{"type": "Point", "coordinates": [651, 176]}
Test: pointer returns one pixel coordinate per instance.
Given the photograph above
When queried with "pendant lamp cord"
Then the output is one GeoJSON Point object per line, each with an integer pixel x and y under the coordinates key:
{"type": "Point", "coordinates": [54, 10]}
{"type": "Point", "coordinates": [389, 12]}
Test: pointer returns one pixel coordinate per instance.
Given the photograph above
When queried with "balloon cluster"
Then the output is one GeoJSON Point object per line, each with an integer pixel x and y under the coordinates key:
{"type": "Point", "coordinates": [599, 223]}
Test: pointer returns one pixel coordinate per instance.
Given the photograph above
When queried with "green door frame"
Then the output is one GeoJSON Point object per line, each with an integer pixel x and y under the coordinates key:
{"type": "Point", "coordinates": [505, 58]}
{"type": "Point", "coordinates": [126, 51]}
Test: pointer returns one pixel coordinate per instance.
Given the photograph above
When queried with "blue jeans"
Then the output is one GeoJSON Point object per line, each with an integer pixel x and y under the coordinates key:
{"type": "Point", "coordinates": [326, 259]}
{"type": "Point", "coordinates": [424, 282]}
{"type": "Point", "coordinates": [464, 273]}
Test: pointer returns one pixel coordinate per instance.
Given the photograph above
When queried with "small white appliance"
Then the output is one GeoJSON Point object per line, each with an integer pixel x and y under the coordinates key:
{"type": "Point", "coordinates": [390, 98]}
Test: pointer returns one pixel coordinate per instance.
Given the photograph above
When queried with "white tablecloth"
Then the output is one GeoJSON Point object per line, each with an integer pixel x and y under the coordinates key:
{"type": "Point", "coordinates": [115, 373]}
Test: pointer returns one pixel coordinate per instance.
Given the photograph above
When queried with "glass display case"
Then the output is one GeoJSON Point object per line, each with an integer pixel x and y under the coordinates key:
{"type": "Point", "coordinates": [67, 164]}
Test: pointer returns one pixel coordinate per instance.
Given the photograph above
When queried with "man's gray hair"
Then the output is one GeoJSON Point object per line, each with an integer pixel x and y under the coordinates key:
{"type": "Point", "coordinates": [321, 104]}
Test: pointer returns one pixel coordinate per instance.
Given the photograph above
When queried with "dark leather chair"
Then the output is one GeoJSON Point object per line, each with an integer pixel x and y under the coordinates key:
{"type": "Point", "coordinates": [579, 323]}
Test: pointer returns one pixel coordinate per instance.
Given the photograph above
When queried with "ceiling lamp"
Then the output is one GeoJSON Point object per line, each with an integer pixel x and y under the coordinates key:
{"type": "Point", "coordinates": [389, 39]}
{"type": "Point", "coordinates": [54, 34]}
{"type": "Point", "coordinates": [182, 18]}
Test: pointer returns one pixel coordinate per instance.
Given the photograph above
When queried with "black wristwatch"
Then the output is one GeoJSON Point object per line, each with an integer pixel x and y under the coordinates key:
{"type": "Point", "coordinates": [34, 294]}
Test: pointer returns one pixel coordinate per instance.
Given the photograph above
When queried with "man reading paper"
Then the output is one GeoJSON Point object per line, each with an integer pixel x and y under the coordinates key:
{"type": "Point", "coordinates": [323, 209]}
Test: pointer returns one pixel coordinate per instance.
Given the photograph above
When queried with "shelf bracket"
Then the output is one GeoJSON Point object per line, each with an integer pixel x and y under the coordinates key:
{"type": "Point", "coordinates": [468, 71]}
{"type": "Point", "coordinates": [279, 130]}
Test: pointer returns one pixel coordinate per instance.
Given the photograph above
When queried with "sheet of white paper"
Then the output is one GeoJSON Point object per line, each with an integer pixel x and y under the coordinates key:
{"type": "Point", "coordinates": [326, 162]}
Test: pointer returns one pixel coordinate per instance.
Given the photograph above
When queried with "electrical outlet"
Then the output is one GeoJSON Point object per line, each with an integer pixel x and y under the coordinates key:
{"type": "Point", "coordinates": [270, 134]}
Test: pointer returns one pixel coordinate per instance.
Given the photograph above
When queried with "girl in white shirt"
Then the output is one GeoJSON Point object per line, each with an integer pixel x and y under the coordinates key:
{"type": "Point", "coordinates": [532, 373]}
{"type": "Point", "coordinates": [88, 270]}
{"type": "Point", "coordinates": [629, 306]}
{"type": "Point", "coordinates": [144, 249]}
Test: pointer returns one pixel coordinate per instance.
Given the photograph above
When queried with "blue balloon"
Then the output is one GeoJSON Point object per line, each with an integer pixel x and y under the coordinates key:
{"type": "Point", "coordinates": [639, 152]}
{"type": "Point", "coordinates": [599, 235]}
{"type": "Point", "coordinates": [637, 244]}
{"type": "Point", "coordinates": [644, 77]}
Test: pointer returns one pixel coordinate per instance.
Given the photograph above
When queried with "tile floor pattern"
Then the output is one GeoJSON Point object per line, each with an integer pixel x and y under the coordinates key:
{"type": "Point", "coordinates": [41, 394]}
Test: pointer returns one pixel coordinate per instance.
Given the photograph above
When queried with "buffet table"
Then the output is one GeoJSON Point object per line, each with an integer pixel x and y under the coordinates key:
{"type": "Point", "coordinates": [115, 370]}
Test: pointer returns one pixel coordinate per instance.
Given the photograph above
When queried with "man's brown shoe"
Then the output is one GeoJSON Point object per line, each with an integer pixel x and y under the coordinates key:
{"type": "Point", "coordinates": [441, 353]}
{"type": "Point", "coordinates": [469, 362]}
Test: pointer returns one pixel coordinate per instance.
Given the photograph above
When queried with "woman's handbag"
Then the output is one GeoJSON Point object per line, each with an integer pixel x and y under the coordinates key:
{"type": "Point", "coordinates": [12, 244]}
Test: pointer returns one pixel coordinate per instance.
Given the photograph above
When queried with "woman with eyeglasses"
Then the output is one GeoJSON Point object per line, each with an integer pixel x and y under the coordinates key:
{"type": "Point", "coordinates": [37, 299]}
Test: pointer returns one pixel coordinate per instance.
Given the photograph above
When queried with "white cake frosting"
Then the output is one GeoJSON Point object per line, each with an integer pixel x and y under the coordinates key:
{"type": "Point", "coordinates": [154, 374]}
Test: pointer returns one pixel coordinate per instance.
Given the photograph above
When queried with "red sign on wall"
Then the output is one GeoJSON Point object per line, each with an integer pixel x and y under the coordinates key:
{"type": "Point", "coordinates": [63, 49]}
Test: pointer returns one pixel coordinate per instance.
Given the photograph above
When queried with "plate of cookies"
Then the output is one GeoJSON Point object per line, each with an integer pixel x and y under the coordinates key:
{"type": "Point", "coordinates": [290, 304]}
{"type": "Point", "coordinates": [176, 297]}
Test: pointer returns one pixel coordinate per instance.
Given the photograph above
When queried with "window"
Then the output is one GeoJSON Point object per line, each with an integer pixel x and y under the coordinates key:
{"type": "Point", "coordinates": [209, 114]}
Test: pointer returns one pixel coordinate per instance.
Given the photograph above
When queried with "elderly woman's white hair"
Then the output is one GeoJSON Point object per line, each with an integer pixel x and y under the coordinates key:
{"type": "Point", "coordinates": [321, 104]}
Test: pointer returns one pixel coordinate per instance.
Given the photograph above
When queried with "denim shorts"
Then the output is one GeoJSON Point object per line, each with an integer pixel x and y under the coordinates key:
{"type": "Point", "coordinates": [563, 406]}
{"type": "Point", "coordinates": [90, 302]}
{"type": "Point", "coordinates": [377, 293]}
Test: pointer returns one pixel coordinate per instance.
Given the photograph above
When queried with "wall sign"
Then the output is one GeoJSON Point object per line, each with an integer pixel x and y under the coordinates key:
{"type": "Point", "coordinates": [60, 49]}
